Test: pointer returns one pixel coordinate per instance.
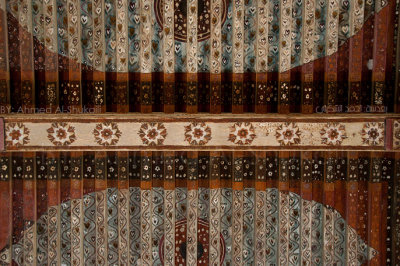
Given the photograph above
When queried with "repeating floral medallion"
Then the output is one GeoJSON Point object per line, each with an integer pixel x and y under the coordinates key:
{"type": "Point", "coordinates": [152, 133]}
{"type": "Point", "coordinates": [242, 133]}
{"type": "Point", "coordinates": [61, 134]}
{"type": "Point", "coordinates": [200, 134]}
{"type": "Point", "coordinates": [288, 134]}
{"type": "Point", "coordinates": [107, 134]}
{"type": "Point", "coordinates": [197, 133]}
{"type": "Point", "coordinates": [333, 134]}
{"type": "Point", "coordinates": [17, 134]}
{"type": "Point", "coordinates": [373, 133]}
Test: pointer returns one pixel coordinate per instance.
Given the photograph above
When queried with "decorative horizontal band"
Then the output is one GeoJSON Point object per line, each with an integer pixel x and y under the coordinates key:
{"type": "Point", "coordinates": [199, 132]}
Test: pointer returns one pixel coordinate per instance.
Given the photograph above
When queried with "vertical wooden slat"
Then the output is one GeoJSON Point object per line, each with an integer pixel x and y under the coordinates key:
{"type": "Point", "coordinates": [169, 60]}
{"type": "Point", "coordinates": [237, 202]}
{"type": "Point", "coordinates": [375, 208]}
{"type": "Point", "coordinates": [340, 230]}
{"type": "Point", "coordinates": [307, 69]}
{"type": "Point", "coordinates": [38, 55]}
{"type": "Point", "coordinates": [260, 209]}
{"type": "Point", "coordinates": [215, 56]}
{"type": "Point", "coordinates": [169, 208]}
{"type": "Point", "coordinates": [283, 225]}
{"type": "Point", "coordinates": [192, 214]}
{"type": "Point", "coordinates": [306, 189]}
{"type": "Point", "coordinates": [284, 56]}
{"type": "Point", "coordinates": [249, 195]}
{"type": "Point", "coordinates": [99, 77]}
{"type": "Point", "coordinates": [26, 56]}
{"type": "Point", "coordinates": [262, 45]}
{"type": "Point", "coordinates": [355, 55]}
{"type": "Point", "coordinates": [381, 29]}
{"type": "Point", "coordinates": [29, 202]}
{"type": "Point", "coordinates": [191, 60]}
{"type": "Point", "coordinates": [76, 209]}
{"type": "Point", "coordinates": [395, 215]}
{"type": "Point", "coordinates": [317, 233]}
{"type": "Point", "coordinates": [294, 166]}
{"type": "Point", "coordinates": [352, 214]}
{"type": "Point", "coordinates": [145, 56]}
{"type": "Point", "coordinates": [89, 208]}
{"type": "Point", "coordinates": [75, 54]}
{"type": "Point", "coordinates": [65, 210]}
{"type": "Point", "coordinates": [226, 171]}
{"type": "Point", "coordinates": [123, 208]}
{"type": "Point", "coordinates": [272, 210]}
{"type": "Point", "coordinates": [122, 57]}
{"type": "Point", "coordinates": [101, 207]}
{"type": "Point", "coordinates": [331, 59]}
{"type": "Point", "coordinates": [328, 200]}
{"type": "Point", "coordinates": [385, 207]}
{"type": "Point", "coordinates": [362, 201]}
{"type": "Point", "coordinates": [146, 205]}
{"type": "Point", "coordinates": [5, 103]}
{"type": "Point", "coordinates": [42, 207]}
{"type": "Point", "coordinates": [50, 55]}
{"type": "Point", "coordinates": [53, 201]}
{"type": "Point", "coordinates": [238, 56]}
{"type": "Point", "coordinates": [215, 209]}
{"type": "Point", "coordinates": [6, 211]}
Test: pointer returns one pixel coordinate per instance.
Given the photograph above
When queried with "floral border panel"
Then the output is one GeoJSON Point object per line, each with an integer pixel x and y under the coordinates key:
{"type": "Point", "coordinates": [200, 133]}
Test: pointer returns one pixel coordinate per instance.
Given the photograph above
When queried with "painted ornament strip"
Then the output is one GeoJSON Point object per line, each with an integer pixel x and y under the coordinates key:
{"type": "Point", "coordinates": [201, 133]}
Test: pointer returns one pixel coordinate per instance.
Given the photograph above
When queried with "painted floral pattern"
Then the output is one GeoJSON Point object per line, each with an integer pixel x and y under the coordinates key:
{"type": "Point", "coordinates": [288, 134]}
{"type": "Point", "coordinates": [107, 134]}
{"type": "Point", "coordinates": [242, 133]}
{"type": "Point", "coordinates": [152, 133]}
{"type": "Point", "coordinates": [197, 133]}
{"type": "Point", "coordinates": [373, 133]}
{"type": "Point", "coordinates": [61, 134]}
{"type": "Point", "coordinates": [333, 134]}
{"type": "Point", "coordinates": [17, 134]}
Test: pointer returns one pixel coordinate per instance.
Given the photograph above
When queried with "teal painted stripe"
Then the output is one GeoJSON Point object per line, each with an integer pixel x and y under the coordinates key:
{"type": "Point", "coordinates": [112, 224]}
{"type": "Point", "coordinates": [272, 226]}
{"type": "Point", "coordinates": [340, 239]}
{"type": "Point", "coordinates": [204, 56]}
{"type": "Point", "coordinates": [37, 22]}
{"type": "Point", "coordinates": [87, 32]}
{"type": "Point", "coordinates": [204, 204]}
{"type": "Point", "coordinates": [65, 241]}
{"type": "Point", "coordinates": [344, 21]}
{"type": "Point", "coordinates": [226, 223]}
{"type": "Point", "coordinates": [109, 37]}
{"type": "Point", "coordinates": [320, 28]}
{"type": "Point", "coordinates": [157, 44]}
{"type": "Point", "coordinates": [294, 229]}
{"type": "Point", "coordinates": [180, 56]}
{"type": "Point", "coordinates": [250, 36]}
{"type": "Point", "coordinates": [369, 9]}
{"type": "Point", "coordinates": [273, 36]}
{"type": "Point", "coordinates": [89, 229]}
{"type": "Point", "coordinates": [133, 35]}
{"type": "Point", "coordinates": [42, 240]}
{"type": "Point", "coordinates": [317, 233]}
{"type": "Point", "coordinates": [157, 221]}
{"type": "Point", "coordinates": [227, 31]}
{"type": "Point", "coordinates": [180, 203]}
{"type": "Point", "coordinates": [134, 225]}
{"type": "Point", "coordinates": [248, 225]}
{"type": "Point", "coordinates": [297, 25]}
{"type": "Point", "coordinates": [62, 31]}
